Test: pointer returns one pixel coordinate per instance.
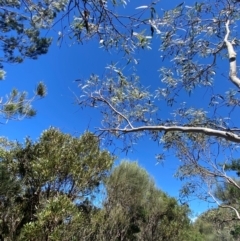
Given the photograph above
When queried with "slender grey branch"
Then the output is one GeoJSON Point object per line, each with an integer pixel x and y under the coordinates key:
{"type": "Point", "coordinates": [225, 206]}
{"type": "Point", "coordinates": [223, 175]}
{"type": "Point", "coordinates": [101, 99]}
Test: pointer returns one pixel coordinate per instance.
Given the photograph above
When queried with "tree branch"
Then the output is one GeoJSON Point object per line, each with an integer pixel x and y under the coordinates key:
{"type": "Point", "coordinates": [225, 206]}
{"type": "Point", "coordinates": [101, 99]}
{"type": "Point", "coordinates": [232, 58]}
{"type": "Point", "coordinates": [227, 135]}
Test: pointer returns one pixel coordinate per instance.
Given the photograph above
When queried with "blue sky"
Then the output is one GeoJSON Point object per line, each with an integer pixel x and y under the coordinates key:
{"type": "Point", "coordinates": [58, 70]}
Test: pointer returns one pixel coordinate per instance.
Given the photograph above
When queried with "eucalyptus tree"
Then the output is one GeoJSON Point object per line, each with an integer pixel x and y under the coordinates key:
{"type": "Point", "coordinates": [199, 85]}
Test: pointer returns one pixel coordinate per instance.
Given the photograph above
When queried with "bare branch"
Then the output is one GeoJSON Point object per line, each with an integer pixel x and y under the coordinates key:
{"type": "Point", "coordinates": [232, 58]}
{"type": "Point", "coordinates": [101, 99]}
{"type": "Point", "coordinates": [225, 206]}
{"type": "Point", "coordinates": [227, 135]}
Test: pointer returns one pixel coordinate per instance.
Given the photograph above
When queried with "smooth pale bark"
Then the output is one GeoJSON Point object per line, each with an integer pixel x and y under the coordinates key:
{"type": "Point", "coordinates": [232, 58]}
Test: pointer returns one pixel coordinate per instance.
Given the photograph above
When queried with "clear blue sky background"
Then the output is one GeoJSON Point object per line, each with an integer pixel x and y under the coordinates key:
{"type": "Point", "coordinates": [58, 69]}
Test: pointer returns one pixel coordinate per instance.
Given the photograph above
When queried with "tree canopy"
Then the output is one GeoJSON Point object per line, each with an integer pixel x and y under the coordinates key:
{"type": "Point", "coordinates": [25, 25]}
{"type": "Point", "coordinates": [27, 29]}
{"type": "Point", "coordinates": [49, 190]}
{"type": "Point", "coordinates": [44, 183]}
{"type": "Point", "coordinates": [135, 209]}
{"type": "Point", "coordinates": [195, 41]}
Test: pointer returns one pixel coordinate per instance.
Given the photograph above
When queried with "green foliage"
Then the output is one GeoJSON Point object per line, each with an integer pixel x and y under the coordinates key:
{"type": "Point", "coordinates": [18, 106]}
{"type": "Point", "coordinates": [234, 165]}
{"type": "Point", "coordinates": [110, 25]}
{"type": "Point", "coordinates": [136, 210]}
{"type": "Point", "coordinates": [41, 90]}
{"type": "Point", "coordinates": [20, 25]}
{"type": "Point", "coordinates": [228, 193]}
{"type": "Point", "coordinates": [222, 223]}
{"type": "Point", "coordinates": [25, 33]}
{"type": "Point", "coordinates": [217, 224]}
{"type": "Point", "coordinates": [2, 74]}
{"type": "Point", "coordinates": [49, 181]}
{"type": "Point", "coordinates": [48, 187]}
